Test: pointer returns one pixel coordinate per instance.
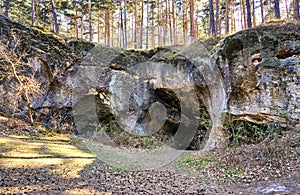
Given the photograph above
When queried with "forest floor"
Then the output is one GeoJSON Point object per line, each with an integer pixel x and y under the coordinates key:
{"type": "Point", "coordinates": [35, 162]}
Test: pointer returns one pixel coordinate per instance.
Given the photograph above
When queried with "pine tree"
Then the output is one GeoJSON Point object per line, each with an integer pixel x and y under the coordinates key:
{"type": "Point", "coordinates": [7, 8]}
{"type": "Point", "coordinates": [124, 27]}
{"type": "Point", "coordinates": [262, 11]}
{"type": "Point", "coordinates": [217, 17]}
{"type": "Point", "coordinates": [226, 17]}
{"type": "Point", "coordinates": [107, 26]}
{"type": "Point", "coordinates": [54, 17]}
{"type": "Point", "coordinates": [32, 12]}
{"type": "Point", "coordinates": [211, 19]}
{"type": "Point", "coordinates": [249, 23]}
{"type": "Point", "coordinates": [192, 25]}
{"type": "Point", "coordinates": [277, 9]}
{"type": "Point", "coordinates": [142, 25]}
{"type": "Point", "coordinates": [296, 8]}
{"type": "Point", "coordinates": [90, 20]}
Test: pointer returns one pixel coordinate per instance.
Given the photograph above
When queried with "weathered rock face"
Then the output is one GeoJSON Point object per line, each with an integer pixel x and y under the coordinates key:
{"type": "Point", "coordinates": [260, 68]}
{"type": "Point", "coordinates": [250, 76]}
{"type": "Point", "coordinates": [42, 62]}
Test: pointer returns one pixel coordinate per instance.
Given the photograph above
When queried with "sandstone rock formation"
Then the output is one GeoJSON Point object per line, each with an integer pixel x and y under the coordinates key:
{"type": "Point", "coordinates": [250, 76]}
{"type": "Point", "coordinates": [260, 68]}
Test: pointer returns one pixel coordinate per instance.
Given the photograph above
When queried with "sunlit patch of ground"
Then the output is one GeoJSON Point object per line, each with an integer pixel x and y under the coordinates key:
{"type": "Point", "coordinates": [85, 191]}
{"type": "Point", "coordinates": [36, 188]}
{"type": "Point", "coordinates": [20, 151]}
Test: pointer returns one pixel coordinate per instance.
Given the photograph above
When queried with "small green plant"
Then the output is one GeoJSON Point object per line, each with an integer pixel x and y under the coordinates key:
{"type": "Point", "coordinates": [232, 174]}
{"type": "Point", "coordinates": [196, 162]}
{"type": "Point", "coordinates": [149, 141]}
{"type": "Point", "coordinates": [251, 133]}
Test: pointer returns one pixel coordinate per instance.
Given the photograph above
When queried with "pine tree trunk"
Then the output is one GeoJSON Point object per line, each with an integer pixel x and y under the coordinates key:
{"type": "Point", "coordinates": [124, 28]}
{"type": "Point", "coordinates": [249, 23]}
{"type": "Point", "coordinates": [147, 28]}
{"type": "Point", "coordinates": [75, 22]}
{"type": "Point", "coordinates": [174, 22]}
{"type": "Point", "coordinates": [192, 27]}
{"type": "Point", "coordinates": [196, 25]}
{"type": "Point", "coordinates": [270, 9]}
{"type": "Point", "coordinates": [111, 20]}
{"type": "Point", "coordinates": [233, 19]}
{"type": "Point", "coordinates": [296, 7]}
{"type": "Point", "coordinates": [159, 22]}
{"type": "Point", "coordinates": [170, 25]}
{"type": "Point", "coordinates": [90, 20]}
{"type": "Point", "coordinates": [32, 12]}
{"type": "Point", "coordinates": [107, 27]}
{"type": "Point", "coordinates": [286, 9]}
{"type": "Point", "coordinates": [81, 24]}
{"type": "Point", "coordinates": [217, 17]}
{"type": "Point", "coordinates": [54, 17]}
{"type": "Point", "coordinates": [135, 24]}
{"type": "Point", "coordinates": [262, 11]}
{"type": "Point", "coordinates": [185, 22]}
{"type": "Point", "coordinates": [141, 25]}
{"type": "Point", "coordinates": [7, 8]}
{"type": "Point", "coordinates": [99, 28]}
{"type": "Point", "coordinates": [165, 23]}
{"type": "Point", "coordinates": [152, 27]}
{"type": "Point", "coordinates": [120, 27]}
{"type": "Point", "coordinates": [37, 13]}
{"type": "Point", "coordinates": [211, 19]}
{"type": "Point", "coordinates": [253, 13]}
{"type": "Point", "coordinates": [244, 13]}
{"type": "Point", "coordinates": [277, 9]}
{"type": "Point", "coordinates": [226, 17]}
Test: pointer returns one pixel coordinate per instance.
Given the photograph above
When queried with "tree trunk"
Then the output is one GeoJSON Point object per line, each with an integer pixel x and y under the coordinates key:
{"type": "Point", "coordinates": [7, 8]}
{"type": "Point", "coordinates": [111, 20]}
{"type": "Point", "coordinates": [226, 17]}
{"type": "Point", "coordinates": [107, 27]}
{"type": "Point", "coordinates": [135, 24]}
{"type": "Point", "coordinates": [277, 9]}
{"type": "Point", "coordinates": [296, 8]}
{"type": "Point", "coordinates": [233, 26]}
{"type": "Point", "coordinates": [152, 27]}
{"type": "Point", "coordinates": [147, 28]}
{"type": "Point", "coordinates": [170, 25]}
{"type": "Point", "coordinates": [99, 28]}
{"type": "Point", "coordinates": [37, 13]}
{"type": "Point", "coordinates": [141, 25]}
{"type": "Point", "coordinates": [90, 21]}
{"type": "Point", "coordinates": [174, 22]}
{"type": "Point", "coordinates": [196, 24]}
{"type": "Point", "coordinates": [165, 23]}
{"type": "Point", "coordinates": [249, 23]}
{"type": "Point", "coordinates": [81, 24]}
{"type": "Point", "coordinates": [253, 13]}
{"type": "Point", "coordinates": [217, 17]}
{"type": "Point", "coordinates": [32, 12]}
{"type": "Point", "coordinates": [75, 22]}
{"type": "Point", "coordinates": [124, 28]}
{"type": "Point", "coordinates": [192, 27]}
{"type": "Point", "coordinates": [159, 22]}
{"type": "Point", "coordinates": [211, 19]}
{"type": "Point", "coordinates": [54, 17]}
{"type": "Point", "coordinates": [286, 9]}
{"type": "Point", "coordinates": [262, 11]}
{"type": "Point", "coordinates": [185, 23]}
{"type": "Point", "coordinates": [244, 13]}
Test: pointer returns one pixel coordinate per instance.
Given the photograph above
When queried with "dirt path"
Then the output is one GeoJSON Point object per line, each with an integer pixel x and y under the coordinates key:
{"type": "Point", "coordinates": [49, 165]}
